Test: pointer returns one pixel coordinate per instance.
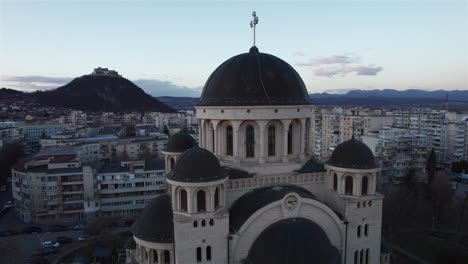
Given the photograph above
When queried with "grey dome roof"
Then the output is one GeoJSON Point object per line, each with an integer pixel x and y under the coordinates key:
{"type": "Point", "coordinates": [197, 165]}
{"type": "Point", "coordinates": [254, 78]}
{"type": "Point", "coordinates": [155, 222]}
{"type": "Point", "coordinates": [353, 154]}
{"type": "Point", "coordinates": [293, 240]}
{"type": "Point", "coordinates": [180, 142]}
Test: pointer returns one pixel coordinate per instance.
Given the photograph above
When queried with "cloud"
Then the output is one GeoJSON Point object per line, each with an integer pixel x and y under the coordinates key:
{"type": "Point", "coordinates": [334, 59]}
{"type": "Point", "coordinates": [157, 87]}
{"type": "Point", "coordinates": [344, 70]}
{"type": "Point", "coordinates": [299, 54]}
{"type": "Point", "coordinates": [34, 82]}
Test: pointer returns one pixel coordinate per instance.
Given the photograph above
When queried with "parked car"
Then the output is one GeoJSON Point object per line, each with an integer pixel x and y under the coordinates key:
{"type": "Point", "coordinates": [80, 226]}
{"type": "Point", "coordinates": [463, 177]}
{"type": "Point", "coordinates": [64, 240]}
{"type": "Point", "coordinates": [32, 229]}
{"type": "Point", "coordinates": [8, 232]}
{"type": "Point", "coordinates": [58, 228]}
{"type": "Point", "coordinates": [45, 251]}
{"type": "Point", "coordinates": [85, 237]}
{"type": "Point", "coordinates": [47, 244]}
{"type": "Point", "coordinates": [8, 204]}
{"type": "Point", "coordinates": [129, 222]}
{"type": "Point", "coordinates": [4, 210]}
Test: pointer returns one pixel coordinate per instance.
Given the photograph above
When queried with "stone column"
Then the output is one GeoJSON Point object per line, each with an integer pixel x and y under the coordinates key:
{"type": "Point", "coordinates": [201, 132]}
{"type": "Point", "coordinates": [302, 139]}
{"type": "Point", "coordinates": [235, 140]}
{"type": "Point", "coordinates": [263, 146]}
{"type": "Point", "coordinates": [285, 139]}
{"type": "Point", "coordinates": [160, 256]}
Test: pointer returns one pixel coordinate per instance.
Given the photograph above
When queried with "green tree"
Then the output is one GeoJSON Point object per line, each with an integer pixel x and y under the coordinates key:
{"type": "Point", "coordinates": [431, 166]}
{"type": "Point", "coordinates": [9, 155]}
{"type": "Point", "coordinates": [441, 193]}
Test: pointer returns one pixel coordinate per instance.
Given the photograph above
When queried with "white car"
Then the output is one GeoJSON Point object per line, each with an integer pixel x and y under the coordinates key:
{"type": "Point", "coordinates": [47, 244]}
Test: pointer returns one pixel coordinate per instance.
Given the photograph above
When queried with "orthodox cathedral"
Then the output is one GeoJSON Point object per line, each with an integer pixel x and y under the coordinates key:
{"type": "Point", "coordinates": [250, 192]}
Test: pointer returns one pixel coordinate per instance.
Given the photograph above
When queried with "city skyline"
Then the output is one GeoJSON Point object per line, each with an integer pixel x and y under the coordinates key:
{"type": "Point", "coordinates": [171, 48]}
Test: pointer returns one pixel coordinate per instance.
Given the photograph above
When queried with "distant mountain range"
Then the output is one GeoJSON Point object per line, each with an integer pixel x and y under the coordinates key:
{"type": "Point", "coordinates": [96, 93]}
{"type": "Point", "coordinates": [369, 98]}
{"type": "Point", "coordinates": [116, 94]}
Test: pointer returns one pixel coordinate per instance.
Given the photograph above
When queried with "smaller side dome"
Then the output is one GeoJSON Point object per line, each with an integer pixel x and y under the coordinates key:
{"type": "Point", "coordinates": [155, 222]}
{"type": "Point", "coordinates": [197, 165]}
{"type": "Point", "coordinates": [180, 142]}
{"type": "Point", "coordinates": [353, 154]}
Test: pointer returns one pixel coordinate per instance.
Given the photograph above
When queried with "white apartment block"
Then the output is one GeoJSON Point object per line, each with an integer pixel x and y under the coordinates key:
{"type": "Point", "coordinates": [400, 153]}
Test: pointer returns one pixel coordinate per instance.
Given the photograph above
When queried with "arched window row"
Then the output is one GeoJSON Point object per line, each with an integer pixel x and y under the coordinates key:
{"type": "Point", "coordinates": [153, 256]}
{"type": "Point", "coordinates": [199, 252]}
{"type": "Point", "coordinates": [361, 256]}
{"type": "Point", "coordinates": [298, 139]}
{"type": "Point", "coordinates": [201, 199]}
{"type": "Point", "coordinates": [364, 204]}
{"type": "Point", "coordinates": [366, 230]}
{"type": "Point", "coordinates": [203, 223]}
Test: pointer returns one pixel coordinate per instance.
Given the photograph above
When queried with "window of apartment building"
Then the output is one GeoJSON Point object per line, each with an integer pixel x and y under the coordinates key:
{"type": "Point", "coordinates": [139, 184]}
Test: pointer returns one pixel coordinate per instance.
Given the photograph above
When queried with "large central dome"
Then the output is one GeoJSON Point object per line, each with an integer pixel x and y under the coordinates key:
{"type": "Point", "coordinates": [254, 78]}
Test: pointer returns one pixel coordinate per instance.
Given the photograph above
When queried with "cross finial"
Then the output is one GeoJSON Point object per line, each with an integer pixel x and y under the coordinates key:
{"type": "Point", "coordinates": [253, 23]}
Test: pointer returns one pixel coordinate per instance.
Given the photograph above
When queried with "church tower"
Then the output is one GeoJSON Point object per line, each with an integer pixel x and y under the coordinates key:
{"type": "Point", "coordinates": [177, 144]}
{"type": "Point", "coordinates": [351, 181]}
{"type": "Point", "coordinates": [201, 221]}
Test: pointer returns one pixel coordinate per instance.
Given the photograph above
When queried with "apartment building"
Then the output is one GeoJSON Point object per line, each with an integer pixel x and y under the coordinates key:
{"type": "Point", "coordinates": [124, 189]}
{"type": "Point", "coordinates": [138, 148]}
{"type": "Point", "coordinates": [400, 152]}
{"type": "Point", "coordinates": [55, 186]}
{"type": "Point", "coordinates": [32, 133]}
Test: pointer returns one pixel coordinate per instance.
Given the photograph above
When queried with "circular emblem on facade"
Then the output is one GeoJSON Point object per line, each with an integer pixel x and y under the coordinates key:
{"type": "Point", "coordinates": [290, 202]}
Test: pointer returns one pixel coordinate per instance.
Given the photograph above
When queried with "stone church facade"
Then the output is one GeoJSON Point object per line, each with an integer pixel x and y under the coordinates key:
{"type": "Point", "coordinates": [250, 192]}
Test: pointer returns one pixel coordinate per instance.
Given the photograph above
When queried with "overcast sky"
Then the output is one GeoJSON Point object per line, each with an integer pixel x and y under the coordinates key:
{"type": "Point", "coordinates": [171, 48]}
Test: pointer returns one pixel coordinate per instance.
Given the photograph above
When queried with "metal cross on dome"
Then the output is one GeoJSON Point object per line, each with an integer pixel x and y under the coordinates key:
{"type": "Point", "coordinates": [253, 23]}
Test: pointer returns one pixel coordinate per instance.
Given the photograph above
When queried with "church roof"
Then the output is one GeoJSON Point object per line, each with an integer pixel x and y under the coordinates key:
{"type": "Point", "coordinates": [155, 222]}
{"type": "Point", "coordinates": [197, 165]}
{"type": "Point", "coordinates": [294, 240]}
{"type": "Point", "coordinates": [254, 78]}
{"type": "Point", "coordinates": [312, 166]}
{"type": "Point", "coordinates": [353, 154]}
{"type": "Point", "coordinates": [249, 203]}
{"type": "Point", "coordinates": [180, 142]}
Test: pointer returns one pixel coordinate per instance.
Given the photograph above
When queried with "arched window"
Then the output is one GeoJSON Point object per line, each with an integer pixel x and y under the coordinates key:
{"type": "Point", "coordinates": [211, 222]}
{"type": "Point", "coordinates": [201, 201]}
{"type": "Point", "coordinates": [349, 185]}
{"type": "Point", "coordinates": [229, 141]}
{"type": "Point", "coordinates": [364, 185]}
{"type": "Point", "coordinates": [167, 257]}
{"type": "Point", "coordinates": [335, 182]}
{"type": "Point", "coordinates": [203, 223]}
{"type": "Point", "coordinates": [366, 229]}
{"type": "Point", "coordinates": [359, 231]}
{"type": "Point", "coordinates": [356, 257]}
{"type": "Point", "coordinates": [195, 224]}
{"type": "Point", "coordinates": [290, 139]}
{"type": "Point", "coordinates": [171, 163]}
{"type": "Point", "coordinates": [249, 141]}
{"type": "Point", "coordinates": [208, 253]}
{"type": "Point", "coordinates": [146, 255]}
{"type": "Point", "coordinates": [183, 200]}
{"type": "Point", "coordinates": [271, 140]}
{"type": "Point", "coordinates": [216, 198]}
{"type": "Point", "coordinates": [367, 256]}
{"type": "Point", "coordinates": [361, 257]}
{"type": "Point", "coordinates": [155, 256]}
{"type": "Point", "coordinates": [198, 254]}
